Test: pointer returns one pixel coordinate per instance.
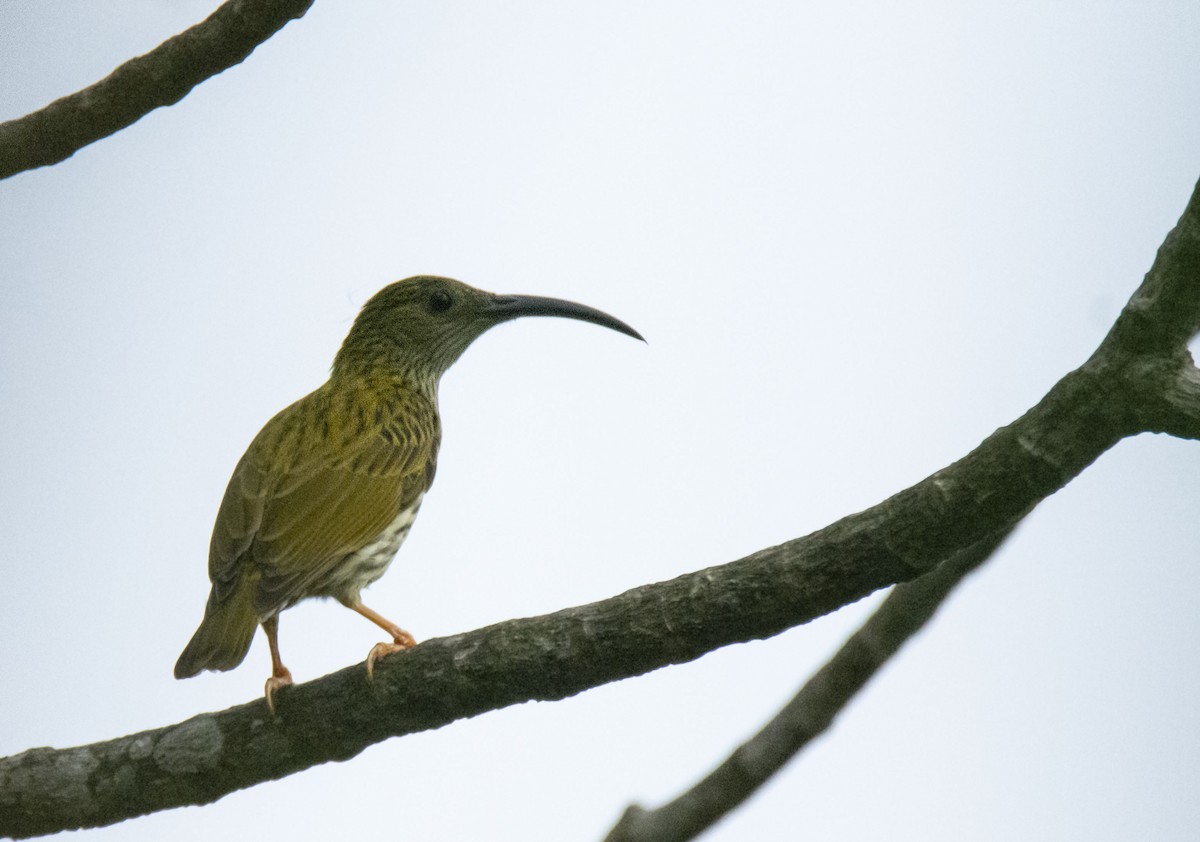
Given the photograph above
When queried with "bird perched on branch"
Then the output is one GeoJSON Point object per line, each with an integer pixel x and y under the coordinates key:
{"type": "Point", "coordinates": [325, 494]}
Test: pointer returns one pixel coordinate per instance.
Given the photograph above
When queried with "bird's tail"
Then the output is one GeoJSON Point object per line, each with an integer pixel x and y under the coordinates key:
{"type": "Point", "coordinates": [224, 635]}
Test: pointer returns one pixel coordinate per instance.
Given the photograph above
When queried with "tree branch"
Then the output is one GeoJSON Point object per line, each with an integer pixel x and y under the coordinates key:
{"type": "Point", "coordinates": [810, 712]}
{"type": "Point", "coordinates": [1149, 341]}
{"type": "Point", "coordinates": [161, 77]}
{"type": "Point", "coordinates": [1121, 390]}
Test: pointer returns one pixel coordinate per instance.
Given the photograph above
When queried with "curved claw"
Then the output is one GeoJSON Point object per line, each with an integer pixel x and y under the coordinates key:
{"type": "Point", "coordinates": [276, 681]}
{"type": "Point", "coordinates": [403, 641]}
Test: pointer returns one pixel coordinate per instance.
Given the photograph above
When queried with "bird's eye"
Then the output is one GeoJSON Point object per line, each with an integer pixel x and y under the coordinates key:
{"type": "Point", "coordinates": [439, 301]}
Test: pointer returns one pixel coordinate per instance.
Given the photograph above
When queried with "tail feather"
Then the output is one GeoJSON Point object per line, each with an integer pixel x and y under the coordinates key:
{"type": "Point", "coordinates": [224, 635]}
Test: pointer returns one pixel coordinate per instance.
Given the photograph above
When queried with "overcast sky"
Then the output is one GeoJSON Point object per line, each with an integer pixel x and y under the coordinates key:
{"type": "Point", "coordinates": [858, 236]}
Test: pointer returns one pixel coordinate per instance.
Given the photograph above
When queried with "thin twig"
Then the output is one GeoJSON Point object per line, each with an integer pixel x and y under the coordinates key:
{"type": "Point", "coordinates": [161, 77]}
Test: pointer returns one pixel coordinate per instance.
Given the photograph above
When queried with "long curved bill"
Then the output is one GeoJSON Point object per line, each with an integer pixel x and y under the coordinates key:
{"type": "Point", "coordinates": [505, 307]}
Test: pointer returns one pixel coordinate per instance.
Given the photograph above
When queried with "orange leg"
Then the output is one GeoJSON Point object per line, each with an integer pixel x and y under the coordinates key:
{"type": "Point", "coordinates": [401, 639]}
{"type": "Point", "coordinates": [280, 676]}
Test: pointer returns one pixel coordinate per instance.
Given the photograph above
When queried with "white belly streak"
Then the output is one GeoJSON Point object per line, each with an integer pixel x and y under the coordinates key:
{"type": "Point", "coordinates": [364, 566]}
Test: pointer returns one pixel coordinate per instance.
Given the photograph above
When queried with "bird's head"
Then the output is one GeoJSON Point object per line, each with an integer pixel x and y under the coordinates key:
{"type": "Point", "coordinates": [423, 324]}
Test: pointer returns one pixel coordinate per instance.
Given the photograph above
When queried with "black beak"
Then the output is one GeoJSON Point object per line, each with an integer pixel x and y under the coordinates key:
{"type": "Point", "coordinates": [505, 307]}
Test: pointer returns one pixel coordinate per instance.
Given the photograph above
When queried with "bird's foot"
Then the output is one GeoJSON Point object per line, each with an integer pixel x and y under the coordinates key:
{"type": "Point", "coordinates": [279, 679]}
{"type": "Point", "coordinates": [403, 641]}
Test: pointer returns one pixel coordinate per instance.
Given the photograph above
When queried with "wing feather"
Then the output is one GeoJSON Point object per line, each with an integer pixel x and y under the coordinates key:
{"type": "Point", "coordinates": [285, 523]}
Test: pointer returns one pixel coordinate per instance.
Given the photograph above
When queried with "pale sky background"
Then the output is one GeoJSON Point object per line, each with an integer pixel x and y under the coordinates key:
{"type": "Point", "coordinates": [858, 236]}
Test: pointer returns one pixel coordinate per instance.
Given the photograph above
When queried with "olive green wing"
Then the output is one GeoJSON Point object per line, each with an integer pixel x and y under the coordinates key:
{"type": "Point", "coordinates": [288, 519]}
{"type": "Point", "coordinates": [241, 513]}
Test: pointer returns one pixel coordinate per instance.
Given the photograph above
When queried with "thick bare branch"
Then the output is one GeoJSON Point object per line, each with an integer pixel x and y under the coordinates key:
{"type": "Point", "coordinates": [1164, 313]}
{"type": "Point", "coordinates": [161, 77]}
{"type": "Point", "coordinates": [810, 712]}
{"type": "Point", "coordinates": [1120, 391]}
{"type": "Point", "coordinates": [1149, 342]}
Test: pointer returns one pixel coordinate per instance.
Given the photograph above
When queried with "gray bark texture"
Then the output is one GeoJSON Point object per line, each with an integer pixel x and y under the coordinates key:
{"type": "Point", "coordinates": [810, 712]}
{"type": "Point", "coordinates": [161, 77]}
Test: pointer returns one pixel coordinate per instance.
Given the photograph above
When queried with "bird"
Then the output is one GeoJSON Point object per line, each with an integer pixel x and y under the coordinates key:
{"type": "Point", "coordinates": [327, 491]}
